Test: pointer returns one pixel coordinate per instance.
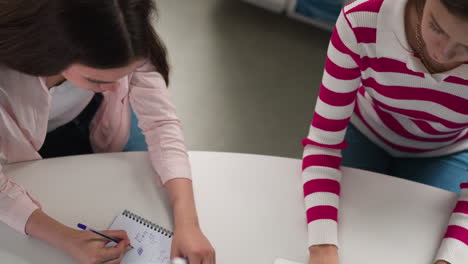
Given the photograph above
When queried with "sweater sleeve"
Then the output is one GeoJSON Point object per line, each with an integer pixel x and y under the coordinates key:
{"type": "Point", "coordinates": [157, 118]}
{"type": "Point", "coordinates": [16, 206]}
{"type": "Point", "coordinates": [454, 247]}
{"type": "Point", "coordinates": [322, 148]}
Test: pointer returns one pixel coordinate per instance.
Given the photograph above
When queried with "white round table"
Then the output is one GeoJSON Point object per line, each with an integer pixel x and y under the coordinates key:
{"type": "Point", "coordinates": [250, 207]}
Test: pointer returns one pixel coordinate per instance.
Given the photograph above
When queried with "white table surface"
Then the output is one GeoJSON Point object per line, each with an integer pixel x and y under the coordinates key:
{"type": "Point", "coordinates": [250, 207]}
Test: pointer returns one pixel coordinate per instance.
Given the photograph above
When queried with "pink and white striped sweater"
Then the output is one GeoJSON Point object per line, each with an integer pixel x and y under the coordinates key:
{"type": "Point", "coordinates": [374, 80]}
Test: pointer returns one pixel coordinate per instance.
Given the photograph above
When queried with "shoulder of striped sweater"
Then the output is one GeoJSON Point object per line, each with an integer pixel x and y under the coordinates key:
{"type": "Point", "coordinates": [363, 13]}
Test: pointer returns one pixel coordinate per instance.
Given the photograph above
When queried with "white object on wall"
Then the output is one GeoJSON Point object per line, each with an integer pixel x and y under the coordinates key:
{"type": "Point", "coordinates": [288, 7]}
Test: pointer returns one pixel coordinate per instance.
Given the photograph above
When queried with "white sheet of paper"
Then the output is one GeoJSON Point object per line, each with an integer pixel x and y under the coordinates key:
{"type": "Point", "coordinates": [285, 261]}
{"type": "Point", "coordinates": [150, 246]}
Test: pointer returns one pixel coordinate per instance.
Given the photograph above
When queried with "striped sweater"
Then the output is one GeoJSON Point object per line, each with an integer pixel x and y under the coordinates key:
{"type": "Point", "coordinates": [374, 80]}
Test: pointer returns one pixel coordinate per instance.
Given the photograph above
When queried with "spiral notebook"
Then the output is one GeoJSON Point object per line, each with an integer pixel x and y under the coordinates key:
{"type": "Point", "coordinates": [152, 243]}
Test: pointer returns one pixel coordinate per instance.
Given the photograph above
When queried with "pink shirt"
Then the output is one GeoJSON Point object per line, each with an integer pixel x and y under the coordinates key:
{"type": "Point", "coordinates": [24, 109]}
{"type": "Point", "coordinates": [374, 80]}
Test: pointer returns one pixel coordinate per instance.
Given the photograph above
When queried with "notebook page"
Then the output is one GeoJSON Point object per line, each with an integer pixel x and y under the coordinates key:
{"type": "Point", "coordinates": [150, 246]}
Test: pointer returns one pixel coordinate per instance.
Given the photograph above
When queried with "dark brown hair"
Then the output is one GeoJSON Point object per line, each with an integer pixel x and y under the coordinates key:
{"type": "Point", "coordinates": [44, 37]}
{"type": "Point", "coordinates": [458, 8]}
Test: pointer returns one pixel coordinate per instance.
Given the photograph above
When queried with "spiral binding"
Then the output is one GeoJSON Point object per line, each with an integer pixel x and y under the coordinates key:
{"type": "Point", "coordinates": [148, 224]}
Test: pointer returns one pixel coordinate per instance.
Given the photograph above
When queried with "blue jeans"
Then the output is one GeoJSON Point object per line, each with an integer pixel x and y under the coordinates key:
{"type": "Point", "coordinates": [446, 172]}
{"type": "Point", "coordinates": [136, 140]}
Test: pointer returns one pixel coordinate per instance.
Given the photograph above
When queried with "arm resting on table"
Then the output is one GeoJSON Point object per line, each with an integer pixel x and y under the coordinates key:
{"type": "Point", "coordinates": [16, 206]}
{"type": "Point", "coordinates": [454, 247]}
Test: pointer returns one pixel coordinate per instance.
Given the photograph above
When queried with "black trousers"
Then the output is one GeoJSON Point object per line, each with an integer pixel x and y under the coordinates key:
{"type": "Point", "coordinates": [73, 137]}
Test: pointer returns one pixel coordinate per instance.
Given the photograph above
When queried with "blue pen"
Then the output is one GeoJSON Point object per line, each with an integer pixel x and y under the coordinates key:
{"type": "Point", "coordinates": [84, 227]}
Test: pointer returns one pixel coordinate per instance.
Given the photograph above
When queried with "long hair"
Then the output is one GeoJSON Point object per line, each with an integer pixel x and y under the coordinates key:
{"type": "Point", "coordinates": [458, 8]}
{"type": "Point", "coordinates": [44, 37]}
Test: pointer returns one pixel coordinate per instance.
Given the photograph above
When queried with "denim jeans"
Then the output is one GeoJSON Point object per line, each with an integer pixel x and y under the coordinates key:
{"type": "Point", "coordinates": [445, 172]}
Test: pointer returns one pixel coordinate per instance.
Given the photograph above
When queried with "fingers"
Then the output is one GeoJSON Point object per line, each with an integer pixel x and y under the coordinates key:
{"type": "Point", "coordinates": [213, 257]}
{"type": "Point", "coordinates": [195, 259]}
{"type": "Point", "coordinates": [195, 248]}
{"type": "Point", "coordinates": [114, 254]}
{"type": "Point", "coordinates": [208, 260]}
{"type": "Point", "coordinates": [203, 257]}
{"type": "Point", "coordinates": [174, 253]}
{"type": "Point", "coordinates": [120, 234]}
{"type": "Point", "coordinates": [116, 261]}
{"type": "Point", "coordinates": [210, 257]}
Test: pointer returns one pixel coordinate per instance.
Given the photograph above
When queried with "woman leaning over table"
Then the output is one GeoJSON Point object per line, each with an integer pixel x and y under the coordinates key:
{"type": "Point", "coordinates": [72, 75]}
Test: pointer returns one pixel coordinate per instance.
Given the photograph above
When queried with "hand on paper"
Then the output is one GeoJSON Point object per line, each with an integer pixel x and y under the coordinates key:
{"type": "Point", "coordinates": [84, 246]}
{"type": "Point", "coordinates": [189, 242]}
{"type": "Point", "coordinates": [88, 248]}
